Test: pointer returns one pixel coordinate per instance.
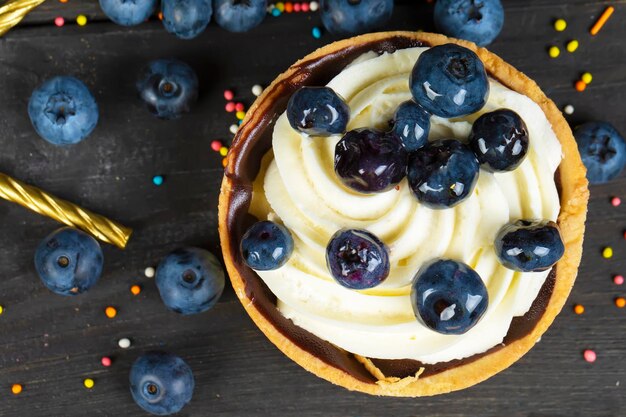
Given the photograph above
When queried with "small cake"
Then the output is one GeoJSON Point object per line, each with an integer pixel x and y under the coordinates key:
{"type": "Point", "coordinates": [396, 238]}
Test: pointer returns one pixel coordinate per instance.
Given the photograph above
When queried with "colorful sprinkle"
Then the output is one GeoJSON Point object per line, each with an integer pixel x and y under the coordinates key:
{"type": "Point", "coordinates": [216, 145]}
{"type": "Point", "coordinates": [1, 309]}
{"type": "Point", "coordinates": [240, 115]}
{"type": "Point", "coordinates": [569, 109]}
{"type": "Point", "coordinates": [289, 7]}
{"type": "Point", "coordinates": [602, 20]}
{"type": "Point", "coordinates": [560, 25]}
{"type": "Point", "coordinates": [580, 85]}
{"type": "Point", "coordinates": [124, 343]}
{"type": "Point", "coordinates": [589, 355]}
{"type": "Point", "coordinates": [572, 46]}
{"type": "Point", "coordinates": [579, 309]}
{"type": "Point", "coordinates": [160, 15]}
{"type": "Point", "coordinates": [240, 107]}
{"type": "Point", "coordinates": [316, 32]}
{"type": "Point", "coordinates": [554, 51]}
{"type": "Point", "coordinates": [81, 20]}
{"type": "Point", "coordinates": [89, 383]}
{"type": "Point", "coordinates": [616, 201]}
{"type": "Point", "coordinates": [135, 290]}
{"type": "Point", "coordinates": [297, 7]}
{"type": "Point", "coordinates": [305, 7]}
{"type": "Point", "coordinates": [224, 162]}
{"type": "Point", "coordinates": [158, 180]}
{"type": "Point", "coordinates": [620, 302]}
{"type": "Point", "coordinates": [59, 21]}
{"type": "Point", "coordinates": [313, 6]}
{"type": "Point", "coordinates": [607, 252]}
{"type": "Point", "coordinates": [16, 389]}
{"type": "Point", "coordinates": [230, 107]}
{"type": "Point", "coordinates": [280, 6]}
{"type": "Point", "coordinates": [223, 151]}
{"type": "Point", "coordinates": [257, 90]}
{"type": "Point", "coordinates": [587, 78]}
{"type": "Point", "coordinates": [233, 129]}
{"type": "Point", "coordinates": [149, 272]}
{"type": "Point", "coordinates": [618, 280]}
{"type": "Point", "coordinates": [110, 312]}
{"type": "Point", "coordinates": [275, 12]}
{"type": "Point", "coordinates": [106, 361]}
{"type": "Point", "coordinates": [229, 95]}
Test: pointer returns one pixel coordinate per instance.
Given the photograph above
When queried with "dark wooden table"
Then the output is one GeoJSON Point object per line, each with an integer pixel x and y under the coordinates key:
{"type": "Point", "coordinates": [50, 343]}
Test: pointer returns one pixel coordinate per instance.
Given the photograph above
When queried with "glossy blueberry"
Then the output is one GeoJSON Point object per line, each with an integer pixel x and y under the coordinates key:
{"type": "Point", "coordinates": [479, 21]}
{"type": "Point", "coordinates": [349, 17]}
{"type": "Point", "coordinates": [318, 111]}
{"type": "Point", "coordinates": [602, 149]}
{"type": "Point", "coordinates": [161, 383]}
{"type": "Point", "coordinates": [239, 15]}
{"type": "Point", "coordinates": [370, 161]}
{"type": "Point", "coordinates": [128, 12]}
{"type": "Point", "coordinates": [186, 18]}
{"type": "Point", "coordinates": [499, 140]}
{"type": "Point", "coordinates": [169, 87]}
{"type": "Point", "coordinates": [449, 81]}
{"type": "Point", "coordinates": [529, 245]}
{"type": "Point", "coordinates": [449, 297]}
{"type": "Point", "coordinates": [190, 280]}
{"type": "Point", "coordinates": [357, 259]}
{"type": "Point", "coordinates": [69, 261]}
{"type": "Point", "coordinates": [411, 124]}
{"type": "Point", "coordinates": [443, 173]}
{"type": "Point", "coordinates": [63, 111]}
{"type": "Point", "coordinates": [266, 246]}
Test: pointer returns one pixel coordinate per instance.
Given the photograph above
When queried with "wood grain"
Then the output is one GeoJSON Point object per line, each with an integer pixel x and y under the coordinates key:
{"type": "Point", "coordinates": [50, 343]}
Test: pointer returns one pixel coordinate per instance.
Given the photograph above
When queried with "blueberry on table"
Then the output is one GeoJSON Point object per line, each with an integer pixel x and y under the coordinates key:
{"type": "Point", "coordinates": [357, 259]}
{"type": "Point", "coordinates": [529, 245]}
{"type": "Point", "coordinates": [266, 246]}
{"type": "Point", "coordinates": [370, 161]}
{"type": "Point", "coordinates": [186, 18]}
{"type": "Point", "coordinates": [411, 123]}
{"type": "Point", "coordinates": [161, 383]}
{"type": "Point", "coordinates": [443, 173]}
{"type": "Point", "coordinates": [499, 140]}
{"type": "Point", "coordinates": [239, 15]}
{"type": "Point", "coordinates": [449, 81]}
{"type": "Point", "coordinates": [190, 280]}
{"type": "Point", "coordinates": [479, 21]}
{"type": "Point", "coordinates": [69, 261]}
{"type": "Point", "coordinates": [318, 111]}
{"type": "Point", "coordinates": [449, 297]}
{"type": "Point", "coordinates": [63, 111]}
{"type": "Point", "coordinates": [169, 87]}
{"type": "Point", "coordinates": [349, 17]}
{"type": "Point", "coordinates": [128, 12]}
{"type": "Point", "coordinates": [602, 150]}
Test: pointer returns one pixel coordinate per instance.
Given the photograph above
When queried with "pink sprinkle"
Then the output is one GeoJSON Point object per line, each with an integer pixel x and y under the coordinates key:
{"type": "Point", "coordinates": [616, 201]}
{"type": "Point", "coordinates": [216, 145]}
{"type": "Point", "coordinates": [589, 355]}
{"type": "Point", "coordinates": [230, 107]}
{"type": "Point", "coordinates": [239, 107]}
{"type": "Point", "coordinates": [59, 21]}
{"type": "Point", "coordinates": [229, 95]}
{"type": "Point", "coordinates": [618, 280]}
{"type": "Point", "coordinates": [106, 361]}
{"type": "Point", "coordinates": [297, 7]}
{"type": "Point", "coordinates": [305, 7]}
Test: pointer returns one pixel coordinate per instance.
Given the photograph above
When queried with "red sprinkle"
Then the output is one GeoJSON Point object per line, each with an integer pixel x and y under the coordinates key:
{"type": "Point", "coordinates": [216, 145]}
{"type": "Point", "coordinates": [59, 21]}
{"type": "Point", "coordinates": [239, 107]}
{"type": "Point", "coordinates": [618, 280]}
{"type": "Point", "coordinates": [616, 201]}
{"type": "Point", "coordinates": [230, 107]}
{"type": "Point", "coordinates": [297, 7]}
{"type": "Point", "coordinates": [589, 355]}
{"type": "Point", "coordinates": [305, 7]}
{"type": "Point", "coordinates": [106, 361]}
{"type": "Point", "coordinates": [229, 95]}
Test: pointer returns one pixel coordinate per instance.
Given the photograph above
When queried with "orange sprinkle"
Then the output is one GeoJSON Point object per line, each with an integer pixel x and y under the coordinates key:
{"type": "Point", "coordinates": [110, 312]}
{"type": "Point", "coordinates": [580, 85]}
{"type": "Point", "coordinates": [16, 389]}
{"type": "Point", "coordinates": [602, 20]}
{"type": "Point", "coordinates": [225, 162]}
{"type": "Point", "coordinates": [579, 309]}
{"type": "Point", "coordinates": [620, 302]}
{"type": "Point", "coordinates": [135, 289]}
{"type": "Point", "coordinates": [160, 15]}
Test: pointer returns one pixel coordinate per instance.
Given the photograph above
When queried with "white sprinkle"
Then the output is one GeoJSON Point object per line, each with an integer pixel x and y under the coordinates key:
{"type": "Point", "coordinates": [124, 343]}
{"type": "Point", "coordinates": [569, 109]}
{"type": "Point", "coordinates": [149, 272]}
{"type": "Point", "coordinates": [233, 129]}
{"type": "Point", "coordinates": [257, 90]}
{"type": "Point", "coordinates": [313, 6]}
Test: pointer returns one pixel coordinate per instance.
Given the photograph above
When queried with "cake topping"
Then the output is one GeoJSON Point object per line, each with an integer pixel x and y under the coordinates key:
{"type": "Point", "coordinates": [500, 140]}
{"type": "Point", "coordinates": [443, 173]}
{"type": "Point", "coordinates": [411, 124]}
{"type": "Point", "coordinates": [318, 111]}
{"type": "Point", "coordinates": [370, 161]}
{"type": "Point", "coordinates": [449, 297]}
{"type": "Point", "coordinates": [449, 81]}
{"type": "Point", "coordinates": [266, 246]}
{"type": "Point", "coordinates": [357, 259]}
{"type": "Point", "coordinates": [529, 245]}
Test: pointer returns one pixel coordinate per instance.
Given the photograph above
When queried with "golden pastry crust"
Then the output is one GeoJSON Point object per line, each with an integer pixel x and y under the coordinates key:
{"type": "Point", "coordinates": [574, 197]}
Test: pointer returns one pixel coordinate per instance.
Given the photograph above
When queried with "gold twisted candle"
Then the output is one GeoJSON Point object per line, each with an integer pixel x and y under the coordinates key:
{"type": "Point", "coordinates": [63, 211]}
{"type": "Point", "coordinates": [14, 11]}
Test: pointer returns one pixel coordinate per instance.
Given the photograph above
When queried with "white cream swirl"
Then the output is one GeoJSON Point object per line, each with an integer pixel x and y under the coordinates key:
{"type": "Point", "coordinates": [298, 187]}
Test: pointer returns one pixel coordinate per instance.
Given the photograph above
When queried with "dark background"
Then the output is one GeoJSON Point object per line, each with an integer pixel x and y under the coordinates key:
{"type": "Point", "coordinates": [51, 343]}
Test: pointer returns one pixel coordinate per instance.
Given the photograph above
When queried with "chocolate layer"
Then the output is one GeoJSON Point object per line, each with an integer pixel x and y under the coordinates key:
{"type": "Point", "coordinates": [246, 153]}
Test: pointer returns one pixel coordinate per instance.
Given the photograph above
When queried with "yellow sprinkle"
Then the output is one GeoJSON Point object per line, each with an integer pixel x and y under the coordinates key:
{"type": "Point", "coordinates": [572, 45]}
{"type": "Point", "coordinates": [89, 383]}
{"type": "Point", "coordinates": [240, 115]}
{"type": "Point", "coordinates": [560, 25]}
{"type": "Point", "coordinates": [110, 312]}
{"type": "Point", "coordinates": [81, 20]}
{"type": "Point", "coordinates": [607, 252]}
{"type": "Point", "coordinates": [587, 78]}
{"type": "Point", "coordinates": [1, 309]}
{"type": "Point", "coordinates": [280, 6]}
{"type": "Point", "coordinates": [16, 389]}
{"type": "Point", "coordinates": [223, 151]}
{"type": "Point", "coordinates": [554, 51]}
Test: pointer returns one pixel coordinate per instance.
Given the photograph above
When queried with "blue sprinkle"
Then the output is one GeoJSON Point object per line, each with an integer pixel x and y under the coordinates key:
{"type": "Point", "coordinates": [275, 12]}
{"type": "Point", "coordinates": [157, 180]}
{"type": "Point", "coordinates": [316, 32]}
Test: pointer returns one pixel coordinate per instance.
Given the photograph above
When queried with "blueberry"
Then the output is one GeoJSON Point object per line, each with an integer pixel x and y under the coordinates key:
{"type": "Point", "coordinates": [69, 261]}
{"type": "Point", "coordinates": [63, 111]}
{"type": "Point", "coordinates": [128, 12]}
{"type": "Point", "coordinates": [370, 161]}
{"type": "Point", "coordinates": [443, 173]}
{"type": "Point", "coordinates": [602, 149]}
{"type": "Point", "coordinates": [499, 140]}
{"type": "Point", "coordinates": [449, 297]}
{"type": "Point", "coordinates": [239, 15]}
{"type": "Point", "coordinates": [266, 246]}
{"type": "Point", "coordinates": [169, 87]}
{"type": "Point", "coordinates": [186, 18]}
{"type": "Point", "coordinates": [479, 21]}
{"type": "Point", "coordinates": [529, 245]}
{"type": "Point", "coordinates": [411, 124]}
{"type": "Point", "coordinates": [190, 280]}
{"type": "Point", "coordinates": [161, 383]}
{"type": "Point", "coordinates": [449, 81]}
{"type": "Point", "coordinates": [348, 17]}
{"type": "Point", "coordinates": [318, 111]}
{"type": "Point", "coordinates": [357, 259]}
